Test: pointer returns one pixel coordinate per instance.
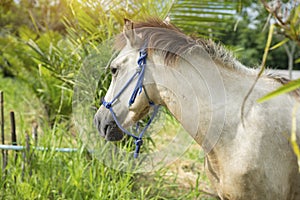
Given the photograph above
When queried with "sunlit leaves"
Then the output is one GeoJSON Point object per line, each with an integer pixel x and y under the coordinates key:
{"type": "Point", "coordinates": [203, 17]}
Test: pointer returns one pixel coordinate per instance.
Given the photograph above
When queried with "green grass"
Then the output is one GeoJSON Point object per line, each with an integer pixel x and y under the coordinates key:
{"type": "Point", "coordinates": [80, 175]}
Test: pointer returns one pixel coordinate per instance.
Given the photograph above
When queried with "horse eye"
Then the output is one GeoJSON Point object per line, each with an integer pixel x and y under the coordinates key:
{"type": "Point", "coordinates": [113, 70]}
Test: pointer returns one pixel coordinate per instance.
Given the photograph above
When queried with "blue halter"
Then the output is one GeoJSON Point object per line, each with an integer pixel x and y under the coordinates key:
{"type": "Point", "coordinates": [140, 72]}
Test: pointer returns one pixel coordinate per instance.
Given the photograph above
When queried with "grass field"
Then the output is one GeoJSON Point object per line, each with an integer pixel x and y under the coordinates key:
{"type": "Point", "coordinates": [80, 175]}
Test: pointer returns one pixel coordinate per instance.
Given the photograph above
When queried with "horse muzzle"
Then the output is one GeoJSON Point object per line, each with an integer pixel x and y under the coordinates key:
{"type": "Point", "coordinates": [106, 126]}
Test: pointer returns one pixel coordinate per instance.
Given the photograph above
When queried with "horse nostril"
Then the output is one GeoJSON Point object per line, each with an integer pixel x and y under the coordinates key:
{"type": "Point", "coordinates": [112, 132]}
{"type": "Point", "coordinates": [106, 129]}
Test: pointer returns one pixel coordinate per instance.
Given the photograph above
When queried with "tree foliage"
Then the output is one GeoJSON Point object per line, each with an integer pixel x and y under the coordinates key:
{"type": "Point", "coordinates": [45, 42]}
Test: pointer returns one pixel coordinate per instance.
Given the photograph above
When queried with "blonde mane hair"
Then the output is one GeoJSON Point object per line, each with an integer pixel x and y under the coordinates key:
{"type": "Point", "coordinates": [165, 36]}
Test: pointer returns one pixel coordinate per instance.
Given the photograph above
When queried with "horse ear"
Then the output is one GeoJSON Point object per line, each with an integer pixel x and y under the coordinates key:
{"type": "Point", "coordinates": [130, 33]}
{"type": "Point", "coordinates": [167, 20]}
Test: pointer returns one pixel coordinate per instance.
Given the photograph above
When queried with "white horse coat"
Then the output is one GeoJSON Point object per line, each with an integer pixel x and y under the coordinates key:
{"type": "Point", "coordinates": [203, 86]}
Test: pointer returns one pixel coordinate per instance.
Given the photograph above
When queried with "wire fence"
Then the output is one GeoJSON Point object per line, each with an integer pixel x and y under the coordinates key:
{"type": "Point", "coordinates": [25, 150]}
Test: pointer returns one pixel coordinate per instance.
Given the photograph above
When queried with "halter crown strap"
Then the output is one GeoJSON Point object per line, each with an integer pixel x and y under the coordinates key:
{"type": "Point", "coordinates": [139, 85]}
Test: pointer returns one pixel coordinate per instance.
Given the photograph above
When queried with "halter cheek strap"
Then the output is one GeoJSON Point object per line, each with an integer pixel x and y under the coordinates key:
{"type": "Point", "coordinates": [140, 72]}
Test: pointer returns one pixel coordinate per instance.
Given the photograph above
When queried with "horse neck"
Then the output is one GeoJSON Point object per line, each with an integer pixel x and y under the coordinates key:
{"type": "Point", "coordinates": [198, 91]}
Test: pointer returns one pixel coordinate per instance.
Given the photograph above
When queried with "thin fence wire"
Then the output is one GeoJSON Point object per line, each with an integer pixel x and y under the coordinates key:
{"type": "Point", "coordinates": [22, 148]}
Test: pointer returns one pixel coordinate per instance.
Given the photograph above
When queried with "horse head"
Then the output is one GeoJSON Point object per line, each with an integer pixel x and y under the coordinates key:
{"type": "Point", "coordinates": [127, 99]}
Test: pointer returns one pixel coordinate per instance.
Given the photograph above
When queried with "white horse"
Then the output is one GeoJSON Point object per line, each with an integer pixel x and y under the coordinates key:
{"type": "Point", "coordinates": [203, 86]}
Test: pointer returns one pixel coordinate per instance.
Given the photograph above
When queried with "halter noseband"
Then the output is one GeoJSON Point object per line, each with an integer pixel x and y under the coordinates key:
{"type": "Point", "coordinates": [140, 72]}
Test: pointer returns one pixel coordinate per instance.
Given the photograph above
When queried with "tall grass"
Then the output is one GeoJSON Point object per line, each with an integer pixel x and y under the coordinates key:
{"type": "Point", "coordinates": [55, 175]}
{"type": "Point", "coordinates": [82, 175]}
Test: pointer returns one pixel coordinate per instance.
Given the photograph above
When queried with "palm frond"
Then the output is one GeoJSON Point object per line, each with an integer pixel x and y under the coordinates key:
{"type": "Point", "coordinates": [203, 17]}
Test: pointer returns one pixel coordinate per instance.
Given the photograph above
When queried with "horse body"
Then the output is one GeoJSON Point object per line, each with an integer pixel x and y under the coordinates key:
{"type": "Point", "coordinates": [247, 157]}
{"type": "Point", "coordinates": [255, 160]}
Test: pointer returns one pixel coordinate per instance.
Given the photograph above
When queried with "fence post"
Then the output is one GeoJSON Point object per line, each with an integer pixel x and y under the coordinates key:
{"type": "Point", "coordinates": [13, 128]}
{"type": "Point", "coordinates": [28, 154]}
{"type": "Point", "coordinates": [13, 136]}
{"type": "Point", "coordinates": [4, 153]}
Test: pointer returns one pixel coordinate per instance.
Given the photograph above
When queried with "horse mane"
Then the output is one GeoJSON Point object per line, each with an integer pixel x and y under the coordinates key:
{"type": "Point", "coordinates": [173, 43]}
